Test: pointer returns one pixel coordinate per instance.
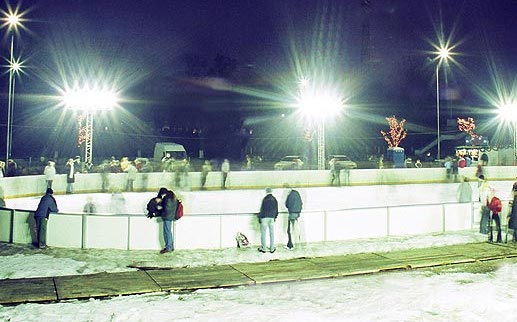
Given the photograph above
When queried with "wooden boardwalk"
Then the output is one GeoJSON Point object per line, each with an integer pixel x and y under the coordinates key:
{"type": "Point", "coordinates": [51, 289]}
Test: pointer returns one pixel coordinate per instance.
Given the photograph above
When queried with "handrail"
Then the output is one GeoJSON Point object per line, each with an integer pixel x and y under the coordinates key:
{"type": "Point", "coordinates": [100, 214]}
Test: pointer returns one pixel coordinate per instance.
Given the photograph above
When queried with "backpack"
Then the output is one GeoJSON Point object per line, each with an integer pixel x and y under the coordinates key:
{"type": "Point", "coordinates": [242, 240]}
{"type": "Point", "coordinates": [179, 210]}
{"type": "Point", "coordinates": [495, 205]}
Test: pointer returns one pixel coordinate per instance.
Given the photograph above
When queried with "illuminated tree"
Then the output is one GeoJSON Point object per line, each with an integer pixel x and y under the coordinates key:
{"type": "Point", "coordinates": [468, 126]}
{"type": "Point", "coordinates": [397, 132]}
{"type": "Point", "coordinates": [81, 136]}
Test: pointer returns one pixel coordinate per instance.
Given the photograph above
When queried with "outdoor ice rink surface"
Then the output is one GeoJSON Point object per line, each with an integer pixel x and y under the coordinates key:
{"type": "Point", "coordinates": [248, 201]}
{"type": "Point", "coordinates": [475, 292]}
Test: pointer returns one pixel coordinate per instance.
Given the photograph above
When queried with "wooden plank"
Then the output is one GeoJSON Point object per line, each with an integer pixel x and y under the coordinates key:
{"type": "Point", "coordinates": [104, 284]}
{"type": "Point", "coordinates": [285, 270]}
{"type": "Point", "coordinates": [483, 251]}
{"type": "Point", "coordinates": [428, 257]}
{"type": "Point", "coordinates": [15, 291]}
{"type": "Point", "coordinates": [355, 264]}
{"type": "Point", "coordinates": [198, 277]}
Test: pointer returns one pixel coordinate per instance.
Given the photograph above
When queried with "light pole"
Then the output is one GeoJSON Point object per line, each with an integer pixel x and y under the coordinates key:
{"type": "Point", "coordinates": [13, 21]}
{"type": "Point", "coordinates": [317, 105]}
{"type": "Point", "coordinates": [443, 54]}
{"type": "Point", "coordinates": [89, 101]}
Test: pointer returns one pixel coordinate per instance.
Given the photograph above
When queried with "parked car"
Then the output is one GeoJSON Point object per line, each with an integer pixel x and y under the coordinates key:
{"type": "Point", "coordinates": [343, 162]}
{"type": "Point", "coordinates": [290, 162]}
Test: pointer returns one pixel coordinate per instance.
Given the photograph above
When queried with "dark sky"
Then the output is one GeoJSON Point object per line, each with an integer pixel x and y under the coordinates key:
{"type": "Point", "coordinates": [161, 54]}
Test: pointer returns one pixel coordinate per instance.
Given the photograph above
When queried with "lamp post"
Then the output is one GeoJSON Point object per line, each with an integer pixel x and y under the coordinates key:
{"type": "Point", "coordinates": [13, 21]}
{"type": "Point", "coordinates": [317, 105]}
{"type": "Point", "coordinates": [443, 54]}
{"type": "Point", "coordinates": [89, 101]}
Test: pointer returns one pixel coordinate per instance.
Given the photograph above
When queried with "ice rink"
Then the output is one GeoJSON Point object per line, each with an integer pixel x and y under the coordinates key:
{"type": "Point", "coordinates": [458, 293]}
{"type": "Point", "coordinates": [248, 201]}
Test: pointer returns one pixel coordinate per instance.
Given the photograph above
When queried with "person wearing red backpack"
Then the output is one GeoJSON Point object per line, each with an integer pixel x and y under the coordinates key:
{"type": "Point", "coordinates": [495, 207]}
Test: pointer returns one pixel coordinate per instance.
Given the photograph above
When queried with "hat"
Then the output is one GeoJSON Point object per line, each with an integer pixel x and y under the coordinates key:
{"type": "Point", "coordinates": [269, 190]}
{"type": "Point", "coordinates": [49, 191]}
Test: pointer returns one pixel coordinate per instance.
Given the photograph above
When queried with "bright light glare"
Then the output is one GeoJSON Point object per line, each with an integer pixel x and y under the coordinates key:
{"type": "Point", "coordinates": [304, 82]}
{"type": "Point", "coordinates": [508, 112]}
{"type": "Point", "coordinates": [13, 19]}
{"type": "Point", "coordinates": [320, 106]}
{"type": "Point", "coordinates": [443, 53]}
{"type": "Point", "coordinates": [89, 99]}
{"type": "Point", "coordinates": [16, 66]}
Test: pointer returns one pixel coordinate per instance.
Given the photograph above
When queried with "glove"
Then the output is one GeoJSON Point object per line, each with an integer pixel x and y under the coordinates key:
{"type": "Point", "coordinates": [150, 215]}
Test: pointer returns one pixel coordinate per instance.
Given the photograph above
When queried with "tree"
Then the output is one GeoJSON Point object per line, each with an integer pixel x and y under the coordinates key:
{"type": "Point", "coordinates": [397, 132]}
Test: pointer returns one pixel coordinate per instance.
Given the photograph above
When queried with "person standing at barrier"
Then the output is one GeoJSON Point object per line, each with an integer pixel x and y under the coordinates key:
{"type": "Point", "coordinates": [267, 216]}
{"type": "Point", "coordinates": [225, 169]}
{"type": "Point", "coordinates": [168, 213]}
{"type": "Point", "coordinates": [50, 173]}
{"type": "Point", "coordinates": [495, 209]}
{"type": "Point", "coordinates": [294, 204]}
{"type": "Point", "coordinates": [70, 176]}
{"type": "Point", "coordinates": [46, 205]}
{"type": "Point", "coordinates": [485, 192]}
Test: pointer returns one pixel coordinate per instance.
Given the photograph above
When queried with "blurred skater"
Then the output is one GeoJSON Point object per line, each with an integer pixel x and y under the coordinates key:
{"type": "Point", "coordinates": [225, 169]}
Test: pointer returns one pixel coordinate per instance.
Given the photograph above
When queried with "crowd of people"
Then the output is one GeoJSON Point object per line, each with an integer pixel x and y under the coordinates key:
{"type": "Point", "coordinates": [166, 202]}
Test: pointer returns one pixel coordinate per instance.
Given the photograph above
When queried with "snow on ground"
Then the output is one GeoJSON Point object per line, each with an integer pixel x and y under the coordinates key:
{"type": "Point", "coordinates": [471, 292]}
{"type": "Point", "coordinates": [450, 294]}
{"type": "Point", "coordinates": [20, 261]}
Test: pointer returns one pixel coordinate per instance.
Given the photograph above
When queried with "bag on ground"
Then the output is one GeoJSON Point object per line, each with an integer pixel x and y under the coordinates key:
{"type": "Point", "coordinates": [242, 240]}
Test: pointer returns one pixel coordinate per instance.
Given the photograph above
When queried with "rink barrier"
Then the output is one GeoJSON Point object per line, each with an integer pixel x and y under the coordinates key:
{"type": "Point", "coordinates": [27, 186]}
{"type": "Point", "coordinates": [212, 231]}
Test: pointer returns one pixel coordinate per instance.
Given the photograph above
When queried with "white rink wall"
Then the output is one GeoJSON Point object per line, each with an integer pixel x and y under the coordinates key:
{"type": "Point", "coordinates": [23, 186]}
{"type": "Point", "coordinates": [214, 217]}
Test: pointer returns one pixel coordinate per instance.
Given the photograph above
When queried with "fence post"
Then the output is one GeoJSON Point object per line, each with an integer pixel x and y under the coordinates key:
{"type": "Point", "coordinates": [128, 231]}
{"type": "Point", "coordinates": [83, 230]}
{"type": "Point", "coordinates": [11, 227]}
{"type": "Point", "coordinates": [443, 218]}
{"type": "Point", "coordinates": [388, 221]}
{"type": "Point", "coordinates": [325, 225]}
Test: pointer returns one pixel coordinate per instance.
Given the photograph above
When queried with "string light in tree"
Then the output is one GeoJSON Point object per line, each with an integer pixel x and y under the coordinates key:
{"type": "Point", "coordinates": [467, 125]}
{"type": "Point", "coordinates": [397, 132]}
{"type": "Point", "coordinates": [82, 135]}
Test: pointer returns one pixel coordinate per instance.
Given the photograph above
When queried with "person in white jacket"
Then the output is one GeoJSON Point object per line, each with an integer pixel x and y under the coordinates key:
{"type": "Point", "coordinates": [485, 195]}
{"type": "Point", "coordinates": [50, 173]}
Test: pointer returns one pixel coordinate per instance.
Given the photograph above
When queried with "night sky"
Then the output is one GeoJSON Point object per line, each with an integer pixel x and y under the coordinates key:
{"type": "Point", "coordinates": [222, 75]}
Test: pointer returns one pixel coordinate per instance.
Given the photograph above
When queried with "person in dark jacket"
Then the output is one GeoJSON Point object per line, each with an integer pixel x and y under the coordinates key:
{"type": "Point", "coordinates": [294, 204]}
{"type": "Point", "coordinates": [267, 217]}
{"type": "Point", "coordinates": [46, 205]}
{"type": "Point", "coordinates": [168, 213]}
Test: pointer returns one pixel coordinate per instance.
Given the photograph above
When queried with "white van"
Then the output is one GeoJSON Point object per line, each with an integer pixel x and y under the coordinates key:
{"type": "Point", "coordinates": [176, 151]}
